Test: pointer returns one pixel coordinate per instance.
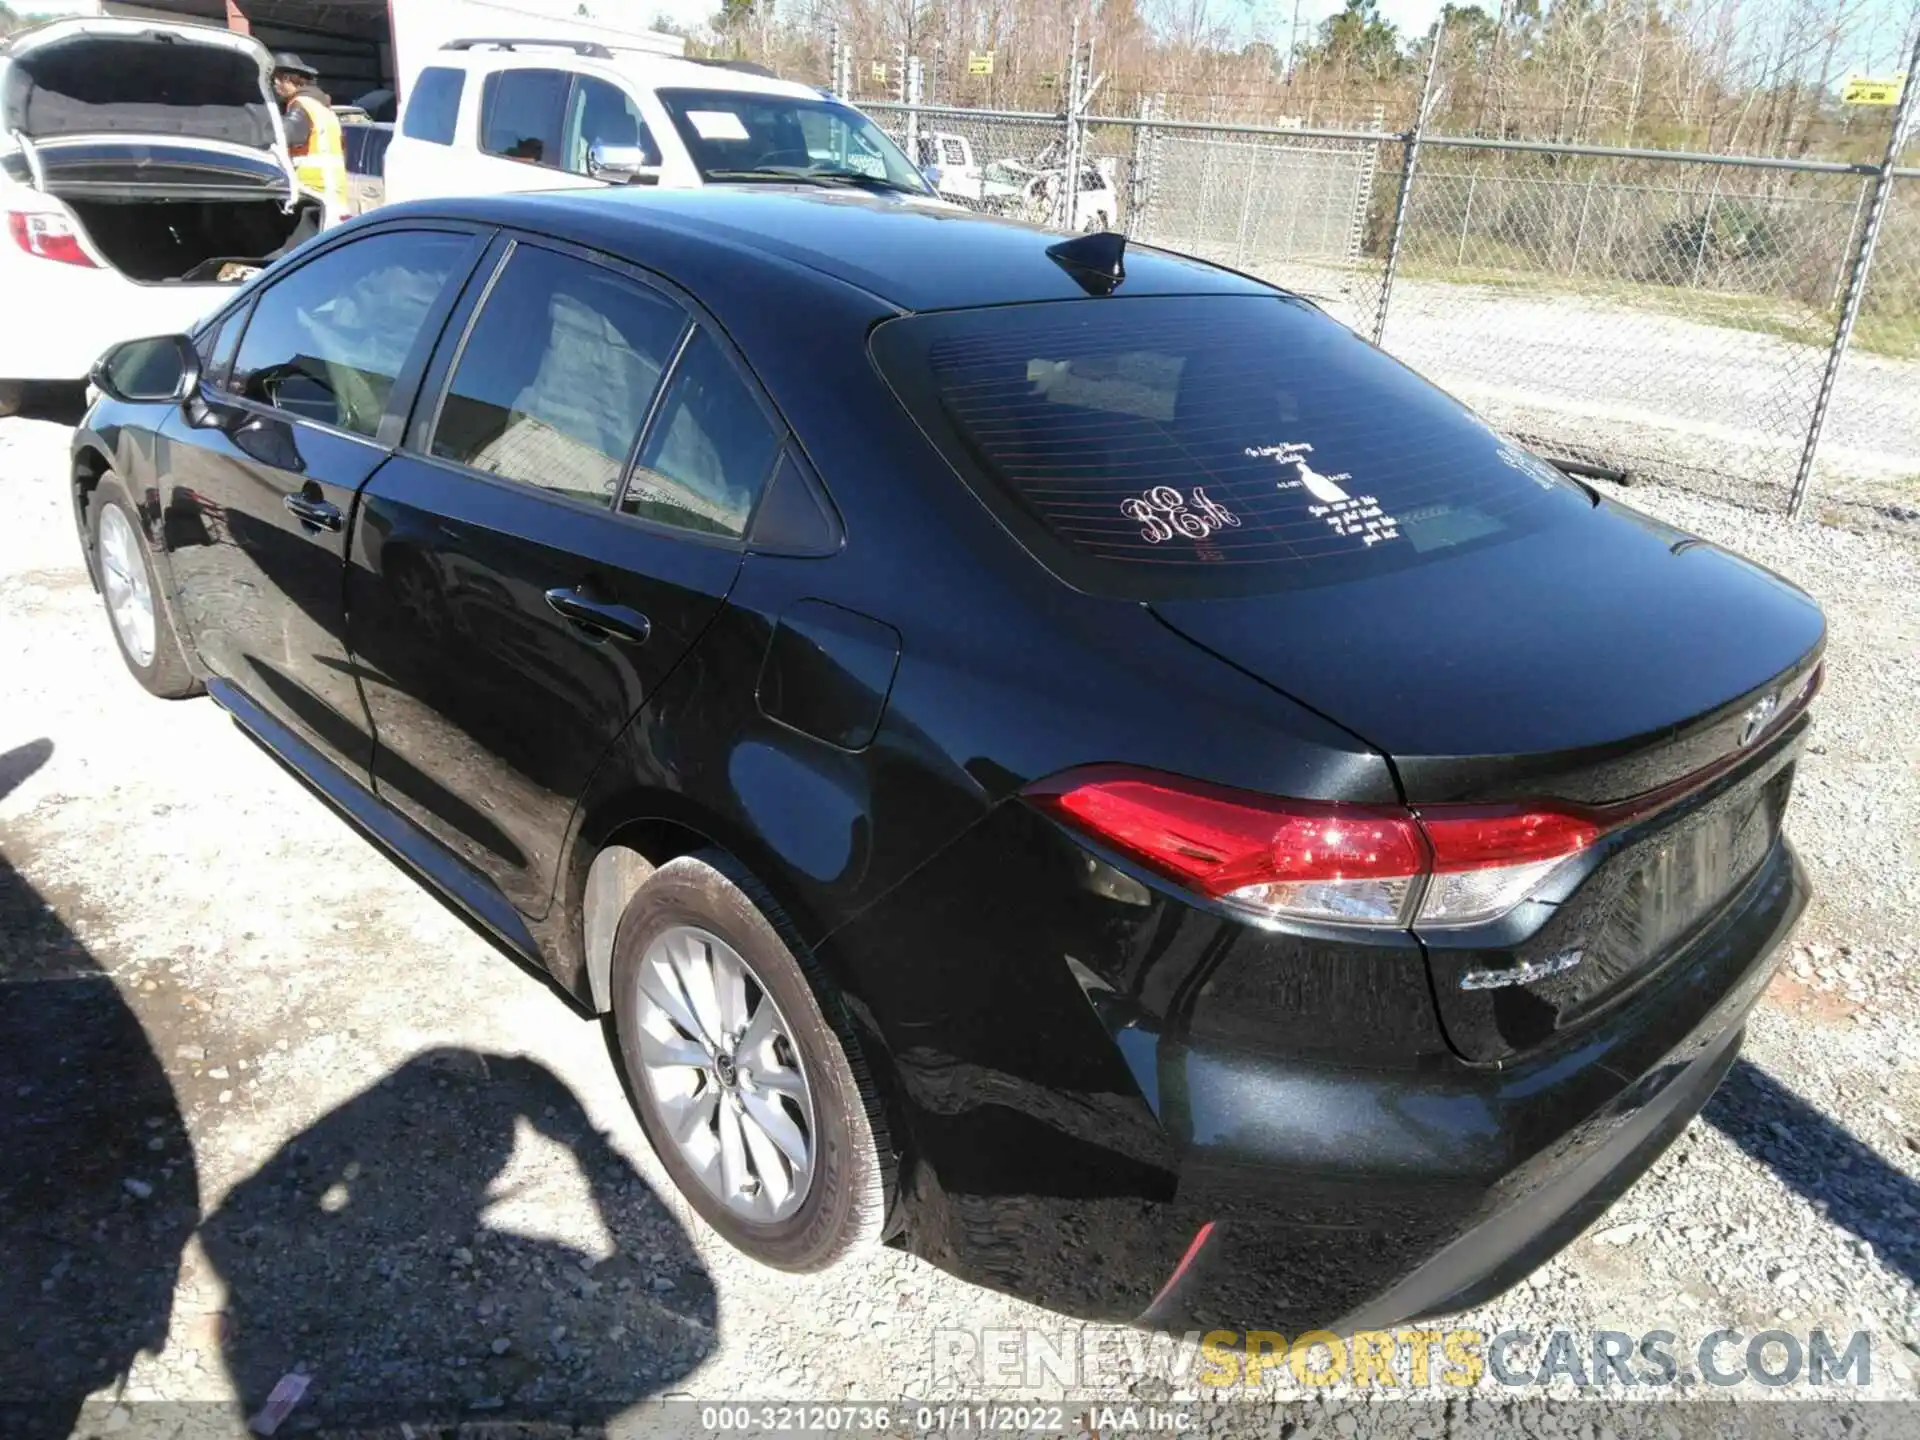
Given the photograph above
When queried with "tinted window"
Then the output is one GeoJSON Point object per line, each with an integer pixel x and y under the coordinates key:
{"type": "Point", "coordinates": [731, 134]}
{"type": "Point", "coordinates": [434, 105]}
{"type": "Point", "coordinates": [707, 456]}
{"type": "Point", "coordinates": [603, 114]}
{"type": "Point", "coordinates": [327, 342]}
{"type": "Point", "coordinates": [520, 112]}
{"type": "Point", "coordinates": [217, 347]}
{"type": "Point", "coordinates": [557, 376]}
{"type": "Point", "coordinates": [1203, 445]}
{"type": "Point", "coordinates": [212, 345]}
{"type": "Point", "coordinates": [366, 148]}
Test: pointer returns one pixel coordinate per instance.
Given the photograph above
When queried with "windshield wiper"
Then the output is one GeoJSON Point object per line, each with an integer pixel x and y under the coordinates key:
{"type": "Point", "coordinates": [795, 175]}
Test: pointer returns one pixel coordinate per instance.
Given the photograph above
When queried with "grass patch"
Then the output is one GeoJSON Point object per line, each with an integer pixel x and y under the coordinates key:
{"type": "Point", "coordinates": [1895, 334]}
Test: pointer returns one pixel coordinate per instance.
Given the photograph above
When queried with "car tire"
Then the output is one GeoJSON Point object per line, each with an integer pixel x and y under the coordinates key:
{"type": "Point", "coordinates": [693, 902]}
{"type": "Point", "coordinates": [124, 573]}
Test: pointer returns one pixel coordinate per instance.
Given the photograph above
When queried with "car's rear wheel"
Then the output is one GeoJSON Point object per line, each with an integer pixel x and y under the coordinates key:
{"type": "Point", "coordinates": [141, 626]}
{"type": "Point", "coordinates": [744, 1070]}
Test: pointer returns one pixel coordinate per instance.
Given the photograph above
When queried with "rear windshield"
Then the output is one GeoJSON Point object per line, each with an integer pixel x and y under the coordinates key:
{"type": "Point", "coordinates": [1209, 445]}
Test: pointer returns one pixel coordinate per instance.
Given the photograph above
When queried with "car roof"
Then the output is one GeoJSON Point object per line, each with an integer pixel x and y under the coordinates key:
{"type": "Point", "coordinates": [641, 66]}
{"type": "Point", "coordinates": [911, 254]}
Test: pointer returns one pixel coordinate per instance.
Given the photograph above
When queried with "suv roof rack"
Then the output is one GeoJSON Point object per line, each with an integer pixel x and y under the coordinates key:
{"type": "Point", "coordinates": [592, 49]}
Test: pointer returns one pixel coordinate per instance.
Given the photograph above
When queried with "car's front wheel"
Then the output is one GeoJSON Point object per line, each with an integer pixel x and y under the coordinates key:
{"type": "Point", "coordinates": [142, 628]}
{"type": "Point", "coordinates": [744, 1069]}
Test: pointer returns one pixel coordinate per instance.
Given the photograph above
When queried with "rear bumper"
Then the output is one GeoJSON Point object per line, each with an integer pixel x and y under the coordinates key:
{"type": "Point", "coordinates": [1508, 1168]}
{"type": "Point", "coordinates": [1083, 1087]}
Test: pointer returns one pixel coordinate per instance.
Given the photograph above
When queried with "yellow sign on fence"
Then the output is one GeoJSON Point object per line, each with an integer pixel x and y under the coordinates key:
{"type": "Point", "coordinates": [879, 72]}
{"type": "Point", "coordinates": [980, 64]}
{"type": "Point", "coordinates": [1862, 91]}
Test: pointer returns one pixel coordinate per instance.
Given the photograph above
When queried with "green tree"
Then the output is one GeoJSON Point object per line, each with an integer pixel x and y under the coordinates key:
{"type": "Point", "coordinates": [1470, 30]}
{"type": "Point", "coordinates": [1359, 39]}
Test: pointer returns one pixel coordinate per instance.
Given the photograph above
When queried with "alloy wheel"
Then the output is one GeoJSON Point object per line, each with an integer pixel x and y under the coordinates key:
{"type": "Point", "coordinates": [124, 575]}
{"type": "Point", "coordinates": [722, 1067]}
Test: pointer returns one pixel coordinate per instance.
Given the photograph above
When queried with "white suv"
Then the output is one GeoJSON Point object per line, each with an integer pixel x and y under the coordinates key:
{"type": "Point", "coordinates": [499, 115]}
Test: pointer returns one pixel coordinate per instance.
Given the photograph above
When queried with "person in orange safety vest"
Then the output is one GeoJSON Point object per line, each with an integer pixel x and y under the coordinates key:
{"type": "Point", "coordinates": [313, 132]}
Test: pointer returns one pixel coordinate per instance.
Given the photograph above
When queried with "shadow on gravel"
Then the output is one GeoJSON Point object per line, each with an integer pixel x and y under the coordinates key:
{"type": "Point", "coordinates": [1846, 1180]}
{"type": "Point", "coordinates": [382, 1254]}
{"type": "Point", "coordinates": [98, 1188]}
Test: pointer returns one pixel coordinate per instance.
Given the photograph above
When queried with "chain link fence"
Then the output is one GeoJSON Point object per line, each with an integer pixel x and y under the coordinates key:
{"type": "Point", "coordinates": [1669, 318]}
{"type": "Point", "coordinates": [1303, 211]}
{"type": "Point", "coordinates": [1641, 313]}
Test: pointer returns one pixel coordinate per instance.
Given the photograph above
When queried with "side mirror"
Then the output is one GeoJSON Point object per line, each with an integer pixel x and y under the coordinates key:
{"type": "Point", "coordinates": [621, 164]}
{"type": "Point", "coordinates": [157, 369]}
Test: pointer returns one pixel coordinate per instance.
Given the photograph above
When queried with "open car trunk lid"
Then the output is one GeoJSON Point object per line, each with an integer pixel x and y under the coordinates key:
{"type": "Point", "coordinates": [157, 85]}
{"type": "Point", "coordinates": [101, 76]}
{"type": "Point", "coordinates": [150, 167]}
{"type": "Point", "coordinates": [1311, 512]}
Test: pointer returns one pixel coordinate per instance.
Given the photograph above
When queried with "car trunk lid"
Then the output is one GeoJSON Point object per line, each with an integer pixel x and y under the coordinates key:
{"type": "Point", "coordinates": [1635, 674]}
{"type": "Point", "coordinates": [134, 167]}
{"type": "Point", "coordinates": [142, 83]}
{"type": "Point", "coordinates": [1589, 661]}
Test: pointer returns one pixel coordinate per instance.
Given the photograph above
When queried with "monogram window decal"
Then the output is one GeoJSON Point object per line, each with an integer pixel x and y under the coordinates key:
{"type": "Point", "coordinates": [1163, 512]}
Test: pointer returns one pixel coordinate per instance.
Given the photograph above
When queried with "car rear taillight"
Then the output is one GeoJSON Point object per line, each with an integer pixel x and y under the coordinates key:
{"type": "Point", "coordinates": [50, 236]}
{"type": "Point", "coordinates": [1486, 861]}
{"type": "Point", "coordinates": [1311, 860]}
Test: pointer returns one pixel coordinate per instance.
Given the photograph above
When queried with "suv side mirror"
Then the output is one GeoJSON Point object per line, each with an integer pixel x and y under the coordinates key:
{"type": "Point", "coordinates": [621, 164]}
{"type": "Point", "coordinates": [158, 368]}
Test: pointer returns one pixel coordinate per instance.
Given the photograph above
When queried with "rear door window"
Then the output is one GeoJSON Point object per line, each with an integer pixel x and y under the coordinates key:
{"type": "Point", "coordinates": [1208, 445]}
{"type": "Point", "coordinates": [558, 375]}
{"type": "Point", "coordinates": [521, 113]}
{"type": "Point", "coordinates": [708, 452]}
{"type": "Point", "coordinates": [434, 105]}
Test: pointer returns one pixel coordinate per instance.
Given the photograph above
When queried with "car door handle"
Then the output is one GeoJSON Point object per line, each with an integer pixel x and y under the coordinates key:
{"type": "Point", "coordinates": [599, 618]}
{"type": "Point", "coordinates": [320, 513]}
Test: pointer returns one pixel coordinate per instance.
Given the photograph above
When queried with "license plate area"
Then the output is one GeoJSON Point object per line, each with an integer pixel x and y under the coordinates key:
{"type": "Point", "coordinates": [1657, 894]}
{"type": "Point", "coordinates": [1590, 942]}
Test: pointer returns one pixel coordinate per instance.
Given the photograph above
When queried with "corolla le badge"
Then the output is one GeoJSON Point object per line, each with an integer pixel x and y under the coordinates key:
{"type": "Point", "coordinates": [1524, 974]}
{"type": "Point", "coordinates": [1756, 718]}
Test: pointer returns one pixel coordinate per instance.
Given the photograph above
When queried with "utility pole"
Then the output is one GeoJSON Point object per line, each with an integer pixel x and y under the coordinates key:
{"type": "Point", "coordinates": [1857, 282]}
{"type": "Point", "coordinates": [913, 113]}
{"type": "Point", "coordinates": [1068, 189]}
{"type": "Point", "coordinates": [1293, 44]}
{"type": "Point", "coordinates": [1412, 142]}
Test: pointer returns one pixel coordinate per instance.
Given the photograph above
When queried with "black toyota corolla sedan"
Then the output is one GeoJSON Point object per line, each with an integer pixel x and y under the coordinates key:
{"type": "Point", "coordinates": [1052, 755]}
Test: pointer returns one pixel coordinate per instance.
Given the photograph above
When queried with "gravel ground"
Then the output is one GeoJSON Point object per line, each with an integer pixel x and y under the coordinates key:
{"type": "Point", "coordinates": [268, 1108]}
